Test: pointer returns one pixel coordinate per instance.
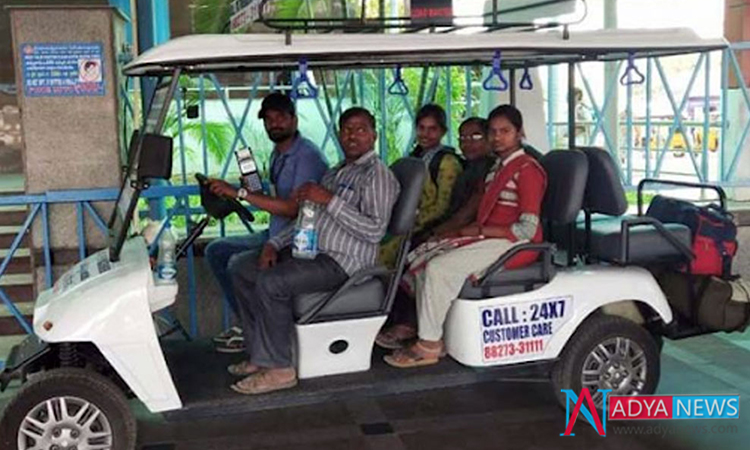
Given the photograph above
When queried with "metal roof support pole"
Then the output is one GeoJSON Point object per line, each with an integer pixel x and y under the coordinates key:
{"type": "Point", "coordinates": [647, 144]}
{"type": "Point", "coordinates": [571, 105]}
{"type": "Point", "coordinates": [468, 94]}
{"type": "Point", "coordinates": [382, 141]}
{"type": "Point", "coordinates": [204, 128]}
{"type": "Point", "coordinates": [706, 117]}
{"type": "Point", "coordinates": [724, 111]}
{"type": "Point", "coordinates": [449, 102]}
{"type": "Point", "coordinates": [512, 82]}
{"type": "Point", "coordinates": [746, 96]}
{"type": "Point", "coordinates": [551, 104]}
{"type": "Point", "coordinates": [180, 134]}
{"type": "Point", "coordinates": [629, 131]}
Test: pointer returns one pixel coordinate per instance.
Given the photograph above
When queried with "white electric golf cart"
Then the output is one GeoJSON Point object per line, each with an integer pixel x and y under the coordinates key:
{"type": "Point", "coordinates": [589, 315]}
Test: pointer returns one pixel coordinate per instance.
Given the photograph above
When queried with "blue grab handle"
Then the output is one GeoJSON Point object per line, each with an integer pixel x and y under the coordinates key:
{"type": "Point", "coordinates": [496, 72]}
{"type": "Point", "coordinates": [526, 84]}
{"type": "Point", "coordinates": [398, 87]}
{"type": "Point", "coordinates": [302, 81]}
{"type": "Point", "coordinates": [626, 78]}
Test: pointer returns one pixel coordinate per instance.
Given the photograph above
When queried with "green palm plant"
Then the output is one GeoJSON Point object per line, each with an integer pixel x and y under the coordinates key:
{"type": "Point", "coordinates": [218, 136]}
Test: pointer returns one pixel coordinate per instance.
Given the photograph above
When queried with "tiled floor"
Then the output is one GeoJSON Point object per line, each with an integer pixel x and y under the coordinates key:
{"type": "Point", "coordinates": [491, 415]}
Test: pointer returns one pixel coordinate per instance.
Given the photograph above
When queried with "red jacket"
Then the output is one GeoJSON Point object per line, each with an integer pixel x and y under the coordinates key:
{"type": "Point", "coordinates": [517, 188]}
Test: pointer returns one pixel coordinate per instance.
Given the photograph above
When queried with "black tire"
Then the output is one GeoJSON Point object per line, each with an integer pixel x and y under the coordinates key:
{"type": "Point", "coordinates": [72, 384]}
{"type": "Point", "coordinates": [568, 371]}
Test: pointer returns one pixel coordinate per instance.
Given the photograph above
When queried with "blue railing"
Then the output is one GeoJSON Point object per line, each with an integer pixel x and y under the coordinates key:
{"type": "Point", "coordinates": [39, 206]}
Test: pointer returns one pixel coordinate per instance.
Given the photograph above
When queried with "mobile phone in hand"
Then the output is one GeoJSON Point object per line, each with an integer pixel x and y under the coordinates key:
{"type": "Point", "coordinates": [249, 173]}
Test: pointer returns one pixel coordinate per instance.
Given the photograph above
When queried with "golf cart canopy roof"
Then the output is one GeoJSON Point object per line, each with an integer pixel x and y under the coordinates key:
{"type": "Point", "coordinates": [206, 53]}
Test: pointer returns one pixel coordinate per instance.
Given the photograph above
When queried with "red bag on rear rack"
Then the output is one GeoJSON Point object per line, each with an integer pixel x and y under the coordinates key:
{"type": "Point", "coordinates": [714, 234]}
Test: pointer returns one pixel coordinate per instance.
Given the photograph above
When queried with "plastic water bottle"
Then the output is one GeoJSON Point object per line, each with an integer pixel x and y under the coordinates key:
{"type": "Point", "coordinates": [166, 265]}
{"type": "Point", "coordinates": [305, 235]}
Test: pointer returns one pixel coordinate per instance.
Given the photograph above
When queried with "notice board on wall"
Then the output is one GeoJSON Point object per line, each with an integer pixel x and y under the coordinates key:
{"type": "Point", "coordinates": [65, 69]}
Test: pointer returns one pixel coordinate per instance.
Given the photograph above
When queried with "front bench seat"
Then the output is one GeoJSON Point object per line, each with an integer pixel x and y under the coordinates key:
{"type": "Point", "coordinates": [567, 172]}
{"type": "Point", "coordinates": [366, 292]}
{"type": "Point", "coordinates": [604, 239]}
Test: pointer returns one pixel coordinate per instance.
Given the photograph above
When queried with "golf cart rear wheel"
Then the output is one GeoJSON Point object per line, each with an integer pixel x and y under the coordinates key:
{"type": "Point", "coordinates": [68, 409]}
{"type": "Point", "coordinates": [608, 352]}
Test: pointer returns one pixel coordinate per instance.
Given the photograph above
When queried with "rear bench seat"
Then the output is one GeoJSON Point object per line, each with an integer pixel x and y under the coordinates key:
{"type": "Point", "coordinates": [604, 205]}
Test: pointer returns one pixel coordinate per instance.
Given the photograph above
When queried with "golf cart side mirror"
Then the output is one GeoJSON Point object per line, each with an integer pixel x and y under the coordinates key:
{"type": "Point", "coordinates": [193, 112]}
{"type": "Point", "coordinates": [156, 157]}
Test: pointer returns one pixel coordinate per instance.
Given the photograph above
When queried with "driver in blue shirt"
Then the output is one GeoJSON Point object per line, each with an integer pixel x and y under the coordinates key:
{"type": "Point", "coordinates": [295, 161]}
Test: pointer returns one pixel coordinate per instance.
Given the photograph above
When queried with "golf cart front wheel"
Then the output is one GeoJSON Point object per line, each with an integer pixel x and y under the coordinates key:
{"type": "Point", "coordinates": [68, 409]}
{"type": "Point", "coordinates": [608, 352]}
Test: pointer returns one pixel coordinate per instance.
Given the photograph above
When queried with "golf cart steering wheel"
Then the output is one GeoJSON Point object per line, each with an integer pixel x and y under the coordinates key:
{"type": "Point", "coordinates": [220, 207]}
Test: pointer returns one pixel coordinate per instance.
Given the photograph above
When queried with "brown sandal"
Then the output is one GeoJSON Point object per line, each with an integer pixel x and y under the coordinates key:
{"type": "Point", "coordinates": [261, 383]}
{"type": "Point", "coordinates": [415, 356]}
{"type": "Point", "coordinates": [243, 369]}
{"type": "Point", "coordinates": [394, 337]}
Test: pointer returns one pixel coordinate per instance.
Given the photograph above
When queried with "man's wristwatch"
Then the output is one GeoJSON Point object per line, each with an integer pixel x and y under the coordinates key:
{"type": "Point", "coordinates": [241, 193]}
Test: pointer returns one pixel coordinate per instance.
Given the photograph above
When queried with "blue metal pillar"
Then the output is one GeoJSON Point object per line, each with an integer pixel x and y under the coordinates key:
{"type": "Point", "coordinates": [153, 29]}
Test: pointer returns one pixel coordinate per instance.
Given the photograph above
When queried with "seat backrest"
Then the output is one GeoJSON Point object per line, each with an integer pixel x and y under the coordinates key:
{"type": "Point", "coordinates": [410, 173]}
{"type": "Point", "coordinates": [604, 191]}
{"type": "Point", "coordinates": [567, 171]}
{"type": "Point", "coordinates": [532, 151]}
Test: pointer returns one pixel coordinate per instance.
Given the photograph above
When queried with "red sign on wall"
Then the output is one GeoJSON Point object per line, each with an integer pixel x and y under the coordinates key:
{"type": "Point", "coordinates": [437, 12]}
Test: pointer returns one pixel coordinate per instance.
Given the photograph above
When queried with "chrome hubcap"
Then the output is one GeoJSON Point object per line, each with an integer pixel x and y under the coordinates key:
{"type": "Point", "coordinates": [618, 364]}
{"type": "Point", "coordinates": [65, 423]}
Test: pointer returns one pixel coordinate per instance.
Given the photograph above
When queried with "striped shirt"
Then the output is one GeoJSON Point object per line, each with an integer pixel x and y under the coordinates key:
{"type": "Point", "coordinates": [355, 220]}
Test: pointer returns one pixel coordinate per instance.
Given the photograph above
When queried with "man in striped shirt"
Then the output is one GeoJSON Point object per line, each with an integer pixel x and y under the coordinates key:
{"type": "Point", "coordinates": [355, 201]}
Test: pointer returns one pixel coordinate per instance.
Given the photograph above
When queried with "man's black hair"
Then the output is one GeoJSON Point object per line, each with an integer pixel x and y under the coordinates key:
{"type": "Point", "coordinates": [434, 111]}
{"type": "Point", "coordinates": [357, 111]}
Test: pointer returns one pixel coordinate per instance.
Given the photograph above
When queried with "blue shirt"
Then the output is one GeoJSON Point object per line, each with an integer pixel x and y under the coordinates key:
{"type": "Point", "coordinates": [301, 163]}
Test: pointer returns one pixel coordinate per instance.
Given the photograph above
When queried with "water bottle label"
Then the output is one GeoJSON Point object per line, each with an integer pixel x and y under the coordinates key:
{"type": "Point", "coordinates": [306, 243]}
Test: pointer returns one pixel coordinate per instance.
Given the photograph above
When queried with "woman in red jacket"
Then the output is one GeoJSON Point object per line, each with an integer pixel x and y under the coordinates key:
{"type": "Point", "coordinates": [509, 214]}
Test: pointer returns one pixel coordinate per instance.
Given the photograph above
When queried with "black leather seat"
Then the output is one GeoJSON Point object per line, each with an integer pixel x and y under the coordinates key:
{"type": "Point", "coordinates": [370, 292]}
{"type": "Point", "coordinates": [605, 195]}
{"type": "Point", "coordinates": [567, 172]}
